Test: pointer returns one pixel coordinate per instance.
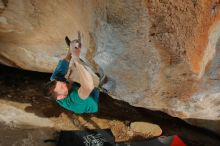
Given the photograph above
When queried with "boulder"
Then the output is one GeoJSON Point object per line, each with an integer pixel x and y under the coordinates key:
{"type": "Point", "coordinates": [13, 114]}
{"type": "Point", "coordinates": [160, 55]}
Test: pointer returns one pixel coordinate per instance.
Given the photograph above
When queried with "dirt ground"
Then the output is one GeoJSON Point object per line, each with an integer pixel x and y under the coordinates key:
{"type": "Point", "coordinates": [26, 87]}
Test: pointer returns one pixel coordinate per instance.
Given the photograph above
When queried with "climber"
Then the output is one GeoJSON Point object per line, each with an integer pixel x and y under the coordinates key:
{"type": "Point", "coordinates": [79, 97]}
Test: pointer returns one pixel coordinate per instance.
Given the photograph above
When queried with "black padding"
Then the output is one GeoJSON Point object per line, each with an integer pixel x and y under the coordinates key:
{"type": "Point", "coordinates": [98, 137]}
{"type": "Point", "coordinates": [161, 141]}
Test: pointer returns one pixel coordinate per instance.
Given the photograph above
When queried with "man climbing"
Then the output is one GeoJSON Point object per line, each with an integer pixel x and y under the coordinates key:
{"type": "Point", "coordinates": [79, 97]}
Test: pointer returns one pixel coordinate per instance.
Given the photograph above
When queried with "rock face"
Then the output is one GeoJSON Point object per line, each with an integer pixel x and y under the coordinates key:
{"type": "Point", "coordinates": [161, 55]}
{"type": "Point", "coordinates": [146, 128]}
{"type": "Point", "coordinates": [11, 115]}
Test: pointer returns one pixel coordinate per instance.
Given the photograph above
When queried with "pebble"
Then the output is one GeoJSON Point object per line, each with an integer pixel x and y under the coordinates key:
{"type": "Point", "coordinates": [9, 95]}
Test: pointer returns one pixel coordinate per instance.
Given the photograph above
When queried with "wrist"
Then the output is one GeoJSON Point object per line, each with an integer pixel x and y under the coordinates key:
{"type": "Point", "coordinates": [68, 58]}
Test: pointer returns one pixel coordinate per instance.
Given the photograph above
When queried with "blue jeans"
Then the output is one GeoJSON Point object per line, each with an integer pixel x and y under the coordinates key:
{"type": "Point", "coordinates": [60, 71]}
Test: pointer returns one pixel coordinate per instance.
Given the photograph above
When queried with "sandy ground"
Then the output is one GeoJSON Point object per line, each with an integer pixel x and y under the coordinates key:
{"type": "Point", "coordinates": [23, 90]}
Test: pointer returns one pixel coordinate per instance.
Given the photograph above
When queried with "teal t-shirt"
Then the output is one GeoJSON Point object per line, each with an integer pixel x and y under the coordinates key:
{"type": "Point", "coordinates": [74, 103]}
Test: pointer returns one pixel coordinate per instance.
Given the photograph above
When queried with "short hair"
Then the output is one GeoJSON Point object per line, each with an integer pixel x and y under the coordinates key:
{"type": "Point", "coordinates": [49, 89]}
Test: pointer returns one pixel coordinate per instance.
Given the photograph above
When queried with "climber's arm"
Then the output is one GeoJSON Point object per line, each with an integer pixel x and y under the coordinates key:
{"type": "Point", "coordinates": [68, 56]}
{"type": "Point", "coordinates": [85, 80]}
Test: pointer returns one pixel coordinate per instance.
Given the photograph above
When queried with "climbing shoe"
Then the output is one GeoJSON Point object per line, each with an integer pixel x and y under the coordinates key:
{"type": "Point", "coordinates": [67, 41]}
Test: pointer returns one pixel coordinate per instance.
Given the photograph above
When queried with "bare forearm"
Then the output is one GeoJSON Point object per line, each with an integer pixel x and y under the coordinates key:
{"type": "Point", "coordinates": [68, 56]}
{"type": "Point", "coordinates": [85, 77]}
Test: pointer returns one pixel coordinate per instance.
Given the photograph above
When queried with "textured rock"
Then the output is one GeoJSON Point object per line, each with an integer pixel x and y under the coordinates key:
{"type": "Point", "coordinates": [161, 55]}
{"type": "Point", "coordinates": [145, 128]}
{"type": "Point", "coordinates": [15, 116]}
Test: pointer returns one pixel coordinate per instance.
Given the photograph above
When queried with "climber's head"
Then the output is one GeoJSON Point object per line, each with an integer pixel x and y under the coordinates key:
{"type": "Point", "coordinates": [60, 90]}
{"type": "Point", "coordinates": [57, 89]}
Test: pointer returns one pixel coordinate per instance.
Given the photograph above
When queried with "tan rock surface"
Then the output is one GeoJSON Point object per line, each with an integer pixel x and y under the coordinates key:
{"type": "Point", "coordinates": [145, 128]}
{"type": "Point", "coordinates": [15, 116]}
